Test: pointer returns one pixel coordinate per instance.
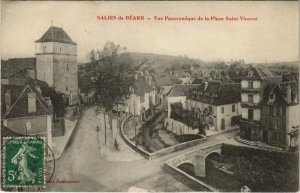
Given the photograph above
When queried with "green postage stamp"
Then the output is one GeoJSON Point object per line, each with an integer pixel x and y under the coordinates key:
{"type": "Point", "coordinates": [23, 162]}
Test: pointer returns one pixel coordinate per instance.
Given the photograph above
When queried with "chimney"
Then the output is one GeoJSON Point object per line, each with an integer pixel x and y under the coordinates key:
{"type": "Point", "coordinates": [288, 94]}
{"type": "Point", "coordinates": [38, 89]}
{"type": "Point", "coordinates": [205, 85]}
{"type": "Point", "coordinates": [48, 101]}
{"type": "Point", "coordinates": [7, 99]}
{"type": "Point", "coordinates": [150, 80]}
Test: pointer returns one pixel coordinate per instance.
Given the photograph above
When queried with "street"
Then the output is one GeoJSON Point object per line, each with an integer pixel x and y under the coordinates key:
{"type": "Point", "coordinates": [83, 162]}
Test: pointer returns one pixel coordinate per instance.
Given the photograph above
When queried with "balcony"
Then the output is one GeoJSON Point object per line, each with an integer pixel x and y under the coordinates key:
{"type": "Point", "coordinates": [250, 105]}
{"type": "Point", "coordinates": [250, 90]}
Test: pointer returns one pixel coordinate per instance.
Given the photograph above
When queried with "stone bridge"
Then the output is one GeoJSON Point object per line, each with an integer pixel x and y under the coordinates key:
{"type": "Point", "coordinates": [195, 158]}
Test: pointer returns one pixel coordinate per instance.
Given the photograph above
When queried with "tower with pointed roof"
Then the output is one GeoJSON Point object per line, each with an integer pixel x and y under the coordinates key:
{"type": "Point", "coordinates": [56, 62]}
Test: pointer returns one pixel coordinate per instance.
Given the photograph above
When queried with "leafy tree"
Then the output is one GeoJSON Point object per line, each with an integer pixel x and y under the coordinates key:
{"type": "Point", "coordinates": [112, 77]}
{"type": "Point", "coordinates": [58, 99]}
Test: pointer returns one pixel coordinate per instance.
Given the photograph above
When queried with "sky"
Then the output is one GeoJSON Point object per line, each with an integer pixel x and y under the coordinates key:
{"type": "Point", "coordinates": [274, 37]}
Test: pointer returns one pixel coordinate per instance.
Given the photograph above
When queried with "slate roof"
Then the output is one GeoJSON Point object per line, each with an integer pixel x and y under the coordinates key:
{"type": "Point", "coordinates": [258, 72]}
{"type": "Point", "coordinates": [20, 107]}
{"type": "Point", "coordinates": [181, 89]}
{"type": "Point", "coordinates": [56, 34]}
{"type": "Point", "coordinates": [15, 65]}
{"type": "Point", "coordinates": [167, 80]}
{"type": "Point", "coordinates": [198, 81]}
{"type": "Point", "coordinates": [141, 86]}
{"type": "Point", "coordinates": [279, 90]}
{"type": "Point", "coordinates": [216, 93]}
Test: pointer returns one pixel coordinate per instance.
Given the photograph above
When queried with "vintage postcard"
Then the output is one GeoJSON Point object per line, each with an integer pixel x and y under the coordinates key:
{"type": "Point", "coordinates": [168, 96]}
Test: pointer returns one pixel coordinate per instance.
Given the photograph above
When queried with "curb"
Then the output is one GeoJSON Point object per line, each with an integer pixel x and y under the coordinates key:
{"type": "Point", "coordinates": [256, 144]}
{"type": "Point", "coordinates": [69, 139]}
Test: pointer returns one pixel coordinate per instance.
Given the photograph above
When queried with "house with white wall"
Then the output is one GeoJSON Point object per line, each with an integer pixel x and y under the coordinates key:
{"type": "Point", "coordinates": [142, 98]}
{"type": "Point", "coordinates": [178, 94]}
{"type": "Point", "coordinates": [215, 104]}
{"type": "Point", "coordinates": [254, 83]}
{"type": "Point", "coordinates": [29, 114]}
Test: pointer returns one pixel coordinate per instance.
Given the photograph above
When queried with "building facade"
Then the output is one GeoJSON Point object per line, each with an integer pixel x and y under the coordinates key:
{"type": "Point", "coordinates": [178, 94]}
{"type": "Point", "coordinates": [217, 105]}
{"type": "Point", "coordinates": [29, 114]}
{"type": "Point", "coordinates": [280, 110]}
{"type": "Point", "coordinates": [142, 98]}
{"type": "Point", "coordinates": [253, 85]}
{"type": "Point", "coordinates": [56, 62]}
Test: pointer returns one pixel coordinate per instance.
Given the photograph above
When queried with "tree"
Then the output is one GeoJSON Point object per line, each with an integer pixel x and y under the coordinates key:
{"type": "Point", "coordinates": [56, 98]}
{"type": "Point", "coordinates": [112, 77]}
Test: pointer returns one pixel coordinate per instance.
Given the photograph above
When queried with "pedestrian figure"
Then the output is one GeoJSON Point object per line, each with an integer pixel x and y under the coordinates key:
{"type": "Point", "coordinates": [116, 145]}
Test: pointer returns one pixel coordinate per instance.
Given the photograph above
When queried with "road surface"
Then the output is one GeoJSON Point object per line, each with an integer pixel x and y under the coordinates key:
{"type": "Point", "coordinates": [82, 162]}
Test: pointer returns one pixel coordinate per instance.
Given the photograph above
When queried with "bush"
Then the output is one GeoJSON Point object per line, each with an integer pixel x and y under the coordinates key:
{"type": "Point", "coordinates": [259, 168]}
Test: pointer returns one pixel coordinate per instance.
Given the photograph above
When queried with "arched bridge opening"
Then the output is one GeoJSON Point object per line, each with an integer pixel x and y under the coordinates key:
{"type": "Point", "coordinates": [188, 168]}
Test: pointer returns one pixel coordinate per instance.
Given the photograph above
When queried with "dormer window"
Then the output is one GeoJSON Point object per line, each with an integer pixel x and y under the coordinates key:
{"type": "Point", "coordinates": [250, 73]}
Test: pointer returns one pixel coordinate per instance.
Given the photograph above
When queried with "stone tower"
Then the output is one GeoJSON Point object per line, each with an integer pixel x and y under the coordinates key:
{"type": "Point", "coordinates": [56, 62]}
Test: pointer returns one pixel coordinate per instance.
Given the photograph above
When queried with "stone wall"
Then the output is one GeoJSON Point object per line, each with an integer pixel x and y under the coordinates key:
{"type": "Point", "coordinates": [161, 152]}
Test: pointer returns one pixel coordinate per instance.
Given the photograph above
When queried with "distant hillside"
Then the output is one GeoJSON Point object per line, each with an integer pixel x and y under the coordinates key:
{"type": "Point", "coordinates": [161, 63]}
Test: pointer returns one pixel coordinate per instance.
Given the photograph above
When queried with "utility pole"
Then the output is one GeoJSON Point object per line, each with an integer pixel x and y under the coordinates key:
{"type": "Point", "coordinates": [117, 119]}
{"type": "Point", "coordinates": [104, 127]}
{"type": "Point", "coordinates": [134, 123]}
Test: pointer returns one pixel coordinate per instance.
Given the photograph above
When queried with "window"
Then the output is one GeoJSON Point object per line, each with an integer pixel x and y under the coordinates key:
{"type": "Point", "coordinates": [250, 73]}
{"type": "Point", "coordinates": [210, 109]}
{"type": "Point", "coordinates": [279, 111]}
{"type": "Point", "coordinates": [265, 122]}
{"type": "Point", "coordinates": [281, 138]}
{"type": "Point", "coordinates": [274, 136]}
{"type": "Point", "coordinates": [211, 121]}
{"type": "Point", "coordinates": [31, 102]}
{"type": "Point", "coordinates": [44, 49]}
{"type": "Point", "coordinates": [222, 110]}
{"type": "Point", "coordinates": [265, 109]}
{"type": "Point", "coordinates": [143, 98]}
{"type": "Point", "coordinates": [274, 111]}
{"type": "Point", "coordinates": [271, 124]}
{"type": "Point", "coordinates": [233, 108]}
{"type": "Point", "coordinates": [250, 98]}
{"type": "Point", "coordinates": [277, 123]}
{"type": "Point", "coordinates": [250, 114]}
{"type": "Point", "coordinates": [250, 85]}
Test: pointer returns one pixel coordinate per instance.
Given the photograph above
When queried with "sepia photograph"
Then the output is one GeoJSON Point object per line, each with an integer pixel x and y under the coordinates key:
{"type": "Point", "coordinates": [170, 96]}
